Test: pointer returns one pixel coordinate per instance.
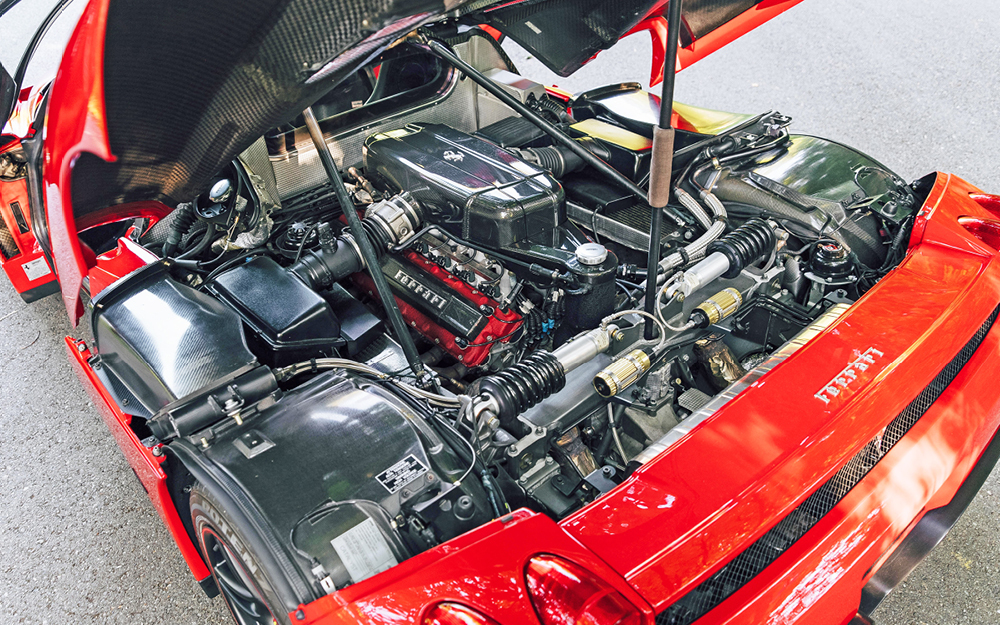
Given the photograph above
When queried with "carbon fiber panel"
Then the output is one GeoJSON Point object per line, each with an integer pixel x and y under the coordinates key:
{"type": "Point", "coordinates": [189, 85]}
{"type": "Point", "coordinates": [703, 16]}
{"type": "Point", "coordinates": [565, 34]}
{"type": "Point", "coordinates": [793, 527]}
{"type": "Point", "coordinates": [164, 340]}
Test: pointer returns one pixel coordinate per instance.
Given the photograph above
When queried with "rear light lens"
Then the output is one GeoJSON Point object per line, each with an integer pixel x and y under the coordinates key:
{"type": "Point", "coordinates": [989, 202]}
{"type": "Point", "coordinates": [986, 230]}
{"type": "Point", "coordinates": [456, 614]}
{"type": "Point", "coordinates": [566, 594]}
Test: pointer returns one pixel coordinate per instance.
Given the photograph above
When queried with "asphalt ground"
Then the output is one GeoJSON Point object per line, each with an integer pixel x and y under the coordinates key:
{"type": "Point", "coordinates": [912, 82]}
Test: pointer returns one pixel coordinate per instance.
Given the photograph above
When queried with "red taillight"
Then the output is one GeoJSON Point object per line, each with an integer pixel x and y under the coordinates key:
{"type": "Point", "coordinates": [987, 201]}
{"type": "Point", "coordinates": [986, 230]}
{"type": "Point", "coordinates": [566, 594]}
{"type": "Point", "coordinates": [456, 614]}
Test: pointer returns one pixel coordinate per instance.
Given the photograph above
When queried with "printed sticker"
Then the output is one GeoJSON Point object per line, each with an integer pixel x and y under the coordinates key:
{"type": "Point", "coordinates": [364, 551]}
{"type": "Point", "coordinates": [35, 269]}
{"type": "Point", "coordinates": [402, 473]}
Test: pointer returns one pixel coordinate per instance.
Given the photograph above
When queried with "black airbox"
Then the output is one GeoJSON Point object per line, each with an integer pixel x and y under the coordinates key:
{"type": "Point", "coordinates": [289, 322]}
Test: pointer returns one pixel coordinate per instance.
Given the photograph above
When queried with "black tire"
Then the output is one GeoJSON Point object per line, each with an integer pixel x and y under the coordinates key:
{"type": "Point", "coordinates": [237, 571]}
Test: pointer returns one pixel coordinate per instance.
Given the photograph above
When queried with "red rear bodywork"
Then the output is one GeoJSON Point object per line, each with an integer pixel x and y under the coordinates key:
{"type": "Point", "coordinates": [686, 514]}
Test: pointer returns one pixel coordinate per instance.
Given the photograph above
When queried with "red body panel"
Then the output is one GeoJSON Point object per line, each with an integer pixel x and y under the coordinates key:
{"type": "Point", "coordinates": [75, 125]}
{"type": "Point", "coordinates": [118, 263]}
{"type": "Point", "coordinates": [15, 209]}
{"type": "Point", "coordinates": [146, 466]}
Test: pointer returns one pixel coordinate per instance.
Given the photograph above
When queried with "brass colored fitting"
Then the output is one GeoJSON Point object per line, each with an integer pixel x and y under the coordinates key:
{"type": "Point", "coordinates": [718, 307]}
{"type": "Point", "coordinates": [622, 373]}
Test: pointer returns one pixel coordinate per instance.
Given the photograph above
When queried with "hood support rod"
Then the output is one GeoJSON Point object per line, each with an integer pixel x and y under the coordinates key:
{"type": "Point", "coordinates": [558, 135]}
{"type": "Point", "coordinates": [368, 254]}
{"type": "Point", "coordinates": [662, 161]}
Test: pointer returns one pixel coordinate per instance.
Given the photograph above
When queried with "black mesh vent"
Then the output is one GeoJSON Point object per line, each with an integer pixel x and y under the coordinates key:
{"type": "Point", "coordinates": [768, 547]}
{"type": "Point", "coordinates": [7, 244]}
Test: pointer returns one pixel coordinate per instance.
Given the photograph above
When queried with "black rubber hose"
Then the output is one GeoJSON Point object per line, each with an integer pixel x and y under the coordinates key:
{"type": "Point", "coordinates": [179, 225]}
{"type": "Point", "coordinates": [202, 245]}
{"type": "Point", "coordinates": [605, 444]}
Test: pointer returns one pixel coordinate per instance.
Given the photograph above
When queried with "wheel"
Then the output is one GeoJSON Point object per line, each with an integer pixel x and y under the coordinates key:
{"type": "Point", "coordinates": [242, 581]}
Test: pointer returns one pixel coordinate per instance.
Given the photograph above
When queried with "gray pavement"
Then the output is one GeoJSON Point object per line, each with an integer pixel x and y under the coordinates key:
{"type": "Point", "coordinates": [912, 82]}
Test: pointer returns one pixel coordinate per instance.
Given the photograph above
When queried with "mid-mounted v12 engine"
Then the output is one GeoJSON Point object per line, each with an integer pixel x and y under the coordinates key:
{"type": "Point", "coordinates": [256, 354]}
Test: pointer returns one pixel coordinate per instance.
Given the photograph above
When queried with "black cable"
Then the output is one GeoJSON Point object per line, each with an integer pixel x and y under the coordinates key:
{"type": "Point", "coordinates": [233, 261]}
{"type": "Point", "coordinates": [302, 243]}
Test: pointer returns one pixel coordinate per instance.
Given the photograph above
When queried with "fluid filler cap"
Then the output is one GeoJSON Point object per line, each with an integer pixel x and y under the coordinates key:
{"type": "Point", "coordinates": [591, 254]}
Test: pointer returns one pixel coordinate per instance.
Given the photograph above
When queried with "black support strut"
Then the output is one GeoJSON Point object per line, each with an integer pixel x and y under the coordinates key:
{"type": "Point", "coordinates": [662, 160]}
{"type": "Point", "coordinates": [367, 251]}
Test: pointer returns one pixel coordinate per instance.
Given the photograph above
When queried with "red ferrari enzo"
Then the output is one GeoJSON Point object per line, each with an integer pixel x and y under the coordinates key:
{"type": "Point", "coordinates": [391, 333]}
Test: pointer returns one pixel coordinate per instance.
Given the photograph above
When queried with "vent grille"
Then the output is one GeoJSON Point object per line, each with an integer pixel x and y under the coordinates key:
{"type": "Point", "coordinates": [7, 245]}
{"type": "Point", "coordinates": [771, 545]}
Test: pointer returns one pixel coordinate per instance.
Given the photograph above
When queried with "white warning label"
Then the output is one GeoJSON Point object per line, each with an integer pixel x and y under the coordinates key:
{"type": "Point", "coordinates": [364, 551]}
{"type": "Point", "coordinates": [35, 269]}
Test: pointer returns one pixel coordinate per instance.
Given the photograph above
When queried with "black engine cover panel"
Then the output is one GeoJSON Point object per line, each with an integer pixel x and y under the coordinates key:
{"type": "Point", "coordinates": [475, 189]}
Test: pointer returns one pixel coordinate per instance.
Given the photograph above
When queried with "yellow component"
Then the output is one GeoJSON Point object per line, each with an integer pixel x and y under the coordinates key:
{"type": "Point", "coordinates": [398, 133]}
{"type": "Point", "coordinates": [706, 121]}
{"type": "Point", "coordinates": [621, 373]}
{"type": "Point", "coordinates": [721, 305]}
{"type": "Point", "coordinates": [566, 95]}
{"type": "Point", "coordinates": [613, 134]}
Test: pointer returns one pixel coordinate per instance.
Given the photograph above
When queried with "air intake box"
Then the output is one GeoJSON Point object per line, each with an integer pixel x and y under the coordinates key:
{"type": "Point", "coordinates": [475, 189]}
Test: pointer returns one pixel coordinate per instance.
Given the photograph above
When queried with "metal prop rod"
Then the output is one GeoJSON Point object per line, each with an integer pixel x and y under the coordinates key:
{"type": "Point", "coordinates": [662, 161]}
{"type": "Point", "coordinates": [558, 135]}
{"type": "Point", "coordinates": [367, 251]}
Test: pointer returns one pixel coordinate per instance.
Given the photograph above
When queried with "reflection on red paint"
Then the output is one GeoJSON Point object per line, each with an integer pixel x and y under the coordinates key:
{"type": "Point", "coordinates": [456, 614]}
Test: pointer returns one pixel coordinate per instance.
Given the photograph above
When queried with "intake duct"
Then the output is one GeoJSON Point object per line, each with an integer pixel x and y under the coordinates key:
{"type": "Point", "coordinates": [386, 223]}
{"type": "Point", "coordinates": [855, 236]}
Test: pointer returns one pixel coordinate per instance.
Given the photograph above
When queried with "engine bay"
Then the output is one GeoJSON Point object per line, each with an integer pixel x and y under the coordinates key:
{"type": "Point", "coordinates": [527, 372]}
